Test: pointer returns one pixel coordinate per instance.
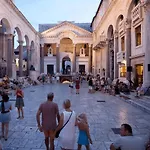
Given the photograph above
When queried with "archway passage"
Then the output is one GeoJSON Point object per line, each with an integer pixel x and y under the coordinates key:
{"type": "Point", "coordinates": [66, 65]}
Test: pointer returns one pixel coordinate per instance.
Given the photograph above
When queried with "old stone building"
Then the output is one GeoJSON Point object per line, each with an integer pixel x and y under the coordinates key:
{"type": "Point", "coordinates": [115, 44]}
{"type": "Point", "coordinates": [120, 40]}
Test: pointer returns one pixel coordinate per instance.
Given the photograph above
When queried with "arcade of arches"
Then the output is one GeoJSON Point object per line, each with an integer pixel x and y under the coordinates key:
{"type": "Point", "coordinates": [115, 44]}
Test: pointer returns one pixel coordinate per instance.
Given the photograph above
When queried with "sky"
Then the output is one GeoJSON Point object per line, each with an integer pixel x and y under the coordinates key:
{"type": "Point", "coordinates": [53, 11]}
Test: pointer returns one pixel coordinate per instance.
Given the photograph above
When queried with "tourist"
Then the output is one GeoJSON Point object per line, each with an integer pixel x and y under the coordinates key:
{"type": "Point", "coordinates": [5, 117]}
{"type": "Point", "coordinates": [84, 134]}
{"type": "Point", "coordinates": [57, 78]}
{"type": "Point", "coordinates": [77, 86]}
{"type": "Point", "coordinates": [67, 134]}
{"type": "Point", "coordinates": [127, 141]}
{"type": "Point", "coordinates": [139, 90]}
{"type": "Point", "coordinates": [50, 114]}
{"type": "Point", "coordinates": [71, 86]}
{"type": "Point", "coordinates": [19, 102]}
{"type": "Point", "coordinates": [90, 85]}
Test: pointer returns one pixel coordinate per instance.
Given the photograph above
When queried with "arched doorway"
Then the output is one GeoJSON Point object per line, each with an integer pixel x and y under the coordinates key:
{"type": "Point", "coordinates": [66, 65]}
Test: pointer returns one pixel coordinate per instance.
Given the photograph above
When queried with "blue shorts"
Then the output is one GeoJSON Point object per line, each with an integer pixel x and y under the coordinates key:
{"type": "Point", "coordinates": [83, 138]}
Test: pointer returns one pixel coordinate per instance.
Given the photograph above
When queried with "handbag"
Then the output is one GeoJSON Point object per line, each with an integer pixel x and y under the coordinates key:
{"type": "Point", "coordinates": [58, 132]}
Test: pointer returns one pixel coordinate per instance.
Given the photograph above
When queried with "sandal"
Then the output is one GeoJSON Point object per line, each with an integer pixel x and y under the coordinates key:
{"type": "Point", "coordinates": [18, 117]}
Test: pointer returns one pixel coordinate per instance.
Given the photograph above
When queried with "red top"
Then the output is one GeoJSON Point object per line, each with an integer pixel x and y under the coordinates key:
{"type": "Point", "coordinates": [19, 93]}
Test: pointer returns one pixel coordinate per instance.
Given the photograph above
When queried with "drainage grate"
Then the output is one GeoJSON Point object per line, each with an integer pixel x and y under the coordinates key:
{"type": "Point", "coordinates": [32, 91]}
{"type": "Point", "coordinates": [116, 130]}
{"type": "Point", "coordinates": [12, 99]}
{"type": "Point", "coordinates": [101, 101]}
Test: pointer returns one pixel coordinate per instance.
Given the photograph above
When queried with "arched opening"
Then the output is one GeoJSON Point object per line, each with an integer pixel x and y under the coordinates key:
{"type": "Point", "coordinates": [17, 44]}
{"type": "Point", "coordinates": [66, 45]}
{"type": "Point", "coordinates": [4, 30]}
{"type": "Point", "coordinates": [66, 65]}
{"type": "Point", "coordinates": [110, 35]}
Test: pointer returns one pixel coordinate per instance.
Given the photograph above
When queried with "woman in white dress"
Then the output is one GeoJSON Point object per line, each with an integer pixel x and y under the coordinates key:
{"type": "Point", "coordinates": [67, 134]}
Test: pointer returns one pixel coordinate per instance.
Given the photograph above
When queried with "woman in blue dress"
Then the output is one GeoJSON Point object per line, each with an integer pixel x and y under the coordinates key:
{"type": "Point", "coordinates": [5, 117]}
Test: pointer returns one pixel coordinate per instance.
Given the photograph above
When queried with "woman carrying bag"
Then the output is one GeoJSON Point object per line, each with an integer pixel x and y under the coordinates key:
{"type": "Point", "coordinates": [67, 126]}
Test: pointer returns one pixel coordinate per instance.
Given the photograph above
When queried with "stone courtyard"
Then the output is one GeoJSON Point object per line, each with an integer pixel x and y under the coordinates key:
{"type": "Point", "coordinates": [102, 117]}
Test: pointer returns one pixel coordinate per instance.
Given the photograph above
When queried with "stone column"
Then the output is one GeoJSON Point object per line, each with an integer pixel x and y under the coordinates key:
{"type": "Point", "coordinates": [128, 48]}
{"type": "Point", "coordinates": [42, 58]}
{"type": "Point", "coordinates": [20, 58]}
{"type": "Point", "coordinates": [90, 58]}
{"type": "Point", "coordinates": [94, 66]}
{"type": "Point", "coordinates": [116, 48]}
{"type": "Point", "coordinates": [107, 72]}
{"type": "Point", "coordinates": [74, 59]}
{"type": "Point", "coordinates": [9, 54]}
{"type": "Point", "coordinates": [146, 41]}
{"type": "Point", "coordinates": [28, 60]}
{"type": "Point", "coordinates": [57, 59]}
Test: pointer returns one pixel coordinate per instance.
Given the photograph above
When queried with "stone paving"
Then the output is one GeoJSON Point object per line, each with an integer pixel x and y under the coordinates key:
{"type": "Point", "coordinates": [102, 116]}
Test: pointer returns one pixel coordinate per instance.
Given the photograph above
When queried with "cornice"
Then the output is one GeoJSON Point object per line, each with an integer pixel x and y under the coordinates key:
{"type": "Point", "coordinates": [106, 13]}
{"type": "Point", "coordinates": [19, 13]}
{"type": "Point", "coordinates": [66, 23]}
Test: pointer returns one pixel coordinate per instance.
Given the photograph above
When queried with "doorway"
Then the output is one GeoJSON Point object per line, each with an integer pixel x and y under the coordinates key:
{"type": "Point", "coordinates": [82, 69]}
{"type": "Point", "coordinates": [139, 74]}
{"type": "Point", "coordinates": [66, 66]}
{"type": "Point", "coordinates": [50, 69]}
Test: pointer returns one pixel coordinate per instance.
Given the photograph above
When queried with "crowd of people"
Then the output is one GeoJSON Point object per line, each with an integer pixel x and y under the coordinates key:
{"type": "Point", "coordinates": [62, 126]}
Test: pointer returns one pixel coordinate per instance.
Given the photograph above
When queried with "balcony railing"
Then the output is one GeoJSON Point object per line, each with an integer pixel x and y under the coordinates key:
{"type": "Point", "coordinates": [136, 13]}
{"type": "Point", "coordinates": [100, 41]}
{"type": "Point", "coordinates": [121, 56]}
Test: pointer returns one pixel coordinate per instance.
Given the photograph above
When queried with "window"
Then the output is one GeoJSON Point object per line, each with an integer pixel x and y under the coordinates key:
{"type": "Point", "coordinates": [122, 44]}
{"type": "Point", "coordinates": [123, 71]}
{"type": "Point", "coordinates": [138, 35]}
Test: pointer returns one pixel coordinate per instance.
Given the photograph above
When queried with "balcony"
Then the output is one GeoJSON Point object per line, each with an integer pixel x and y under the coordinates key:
{"type": "Point", "coordinates": [136, 14]}
{"type": "Point", "coordinates": [101, 41]}
{"type": "Point", "coordinates": [121, 56]}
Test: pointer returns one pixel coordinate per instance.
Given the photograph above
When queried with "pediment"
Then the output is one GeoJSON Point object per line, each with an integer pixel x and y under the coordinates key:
{"type": "Point", "coordinates": [66, 28]}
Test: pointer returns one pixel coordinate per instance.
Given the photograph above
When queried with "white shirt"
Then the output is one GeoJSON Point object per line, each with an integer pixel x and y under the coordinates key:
{"type": "Point", "coordinates": [130, 143]}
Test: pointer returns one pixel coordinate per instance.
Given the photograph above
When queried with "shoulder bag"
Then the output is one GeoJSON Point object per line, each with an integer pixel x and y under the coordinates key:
{"type": "Point", "coordinates": [58, 132]}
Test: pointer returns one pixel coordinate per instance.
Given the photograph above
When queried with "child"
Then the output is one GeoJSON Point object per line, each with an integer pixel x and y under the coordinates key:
{"type": "Point", "coordinates": [84, 134]}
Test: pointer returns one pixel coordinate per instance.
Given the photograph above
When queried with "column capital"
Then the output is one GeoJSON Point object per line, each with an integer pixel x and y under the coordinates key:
{"type": "Point", "coordinates": [128, 23]}
{"type": "Point", "coordinates": [20, 42]}
{"type": "Point", "coordinates": [9, 36]}
{"type": "Point", "coordinates": [57, 44]}
{"type": "Point", "coordinates": [90, 45]}
{"type": "Point", "coordinates": [42, 45]}
{"type": "Point", "coordinates": [116, 34]}
{"type": "Point", "coordinates": [74, 45]}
